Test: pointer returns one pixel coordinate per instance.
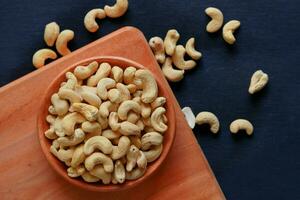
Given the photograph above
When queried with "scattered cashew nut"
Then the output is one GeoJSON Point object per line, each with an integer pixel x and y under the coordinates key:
{"type": "Point", "coordinates": [158, 48]}
{"type": "Point", "coordinates": [178, 59]}
{"type": "Point", "coordinates": [39, 57]}
{"type": "Point", "coordinates": [173, 75]}
{"type": "Point", "coordinates": [62, 42]}
{"type": "Point", "coordinates": [208, 118]}
{"type": "Point", "coordinates": [51, 33]}
{"type": "Point", "coordinates": [90, 19]}
{"type": "Point", "coordinates": [170, 41]}
{"type": "Point", "coordinates": [258, 81]}
{"type": "Point", "coordinates": [191, 51]}
{"type": "Point", "coordinates": [241, 124]}
{"type": "Point", "coordinates": [116, 10]}
{"type": "Point", "coordinates": [216, 19]}
{"type": "Point", "coordinates": [228, 30]}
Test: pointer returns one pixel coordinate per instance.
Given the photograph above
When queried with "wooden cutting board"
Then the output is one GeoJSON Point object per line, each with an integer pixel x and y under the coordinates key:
{"type": "Point", "coordinates": [25, 172]}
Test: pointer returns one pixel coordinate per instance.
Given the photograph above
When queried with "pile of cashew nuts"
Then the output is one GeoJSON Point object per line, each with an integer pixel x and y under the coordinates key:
{"type": "Point", "coordinates": [107, 123]}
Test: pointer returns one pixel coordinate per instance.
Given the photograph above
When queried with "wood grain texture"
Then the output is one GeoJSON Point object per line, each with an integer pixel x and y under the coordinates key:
{"type": "Point", "coordinates": [26, 174]}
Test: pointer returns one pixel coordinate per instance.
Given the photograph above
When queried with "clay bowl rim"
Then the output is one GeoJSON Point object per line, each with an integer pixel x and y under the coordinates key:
{"type": "Point", "coordinates": [60, 168]}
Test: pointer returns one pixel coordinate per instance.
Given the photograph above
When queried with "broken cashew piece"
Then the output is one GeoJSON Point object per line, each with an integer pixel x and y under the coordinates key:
{"type": "Point", "coordinates": [51, 33]}
{"type": "Point", "coordinates": [99, 158]}
{"type": "Point", "coordinates": [170, 41]}
{"type": "Point", "coordinates": [228, 30]}
{"type": "Point", "coordinates": [88, 111]}
{"type": "Point", "coordinates": [158, 48]}
{"type": "Point", "coordinates": [149, 85]}
{"type": "Point", "coordinates": [191, 51]}
{"type": "Point", "coordinates": [173, 75]}
{"type": "Point", "coordinates": [178, 59]}
{"type": "Point", "coordinates": [208, 118]}
{"type": "Point", "coordinates": [189, 116]}
{"type": "Point", "coordinates": [39, 57]}
{"type": "Point", "coordinates": [151, 138]}
{"type": "Point", "coordinates": [100, 173]}
{"type": "Point", "coordinates": [102, 72]}
{"type": "Point", "coordinates": [116, 10]}
{"type": "Point", "coordinates": [119, 172]}
{"type": "Point", "coordinates": [258, 81]}
{"type": "Point", "coordinates": [62, 42]}
{"type": "Point", "coordinates": [216, 19]}
{"type": "Point", "coordinates": [90, 19]}
{"type": "Point", "coordinates": [103, 85]}
{"type": "Point", "coordinates": [122, 148]}
{"type": "Point", "coordinates": [97, 142]}
{"type": "Point", "coordinates": [83, 72]}
{"type": "Point", "coordinates": [241, 124]}
{"type": "Point", "coordinates": [157, 120]}
{"type": "Point", "coordinates": [126, 106]}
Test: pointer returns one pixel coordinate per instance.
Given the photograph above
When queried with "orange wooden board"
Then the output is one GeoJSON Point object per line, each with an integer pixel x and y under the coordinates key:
{"type": "Point", "coordinates": [24, 170]}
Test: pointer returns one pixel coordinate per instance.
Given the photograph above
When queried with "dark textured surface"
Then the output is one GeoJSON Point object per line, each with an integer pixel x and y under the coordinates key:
{"type": "Point", "coordinates": [265, 166]}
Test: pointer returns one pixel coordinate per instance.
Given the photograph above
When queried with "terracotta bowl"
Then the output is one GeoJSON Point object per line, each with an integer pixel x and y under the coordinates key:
{"type": "Point", "coordinates": [60, 168]}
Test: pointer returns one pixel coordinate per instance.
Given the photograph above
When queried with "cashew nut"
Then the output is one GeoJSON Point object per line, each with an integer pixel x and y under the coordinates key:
{"type": "Point", "coordinates": [208, 118]}
{"type": "Point", "coordinates": [87, 177]}
{"type": "Point", "coordinates": [131, 88]}
{"type": "Point", "coordinates": [141, 160]}
{"type": "Point", "coordinates": [241, 124]}
{"type": "Point", "coordinates": [107, 107]}
{"type": "Point", "coordinates": [90, 19]}
{"type": "Point", "coordinates": [91, 98]}
{"type": "Point", "coordinates": [103, 121]}
{"type": "Point", "coordinates": [151, 138]}
{"type": "Point", "coordinates": [78, 156]}
{"type": "Point", "coordinates": [97, 142]}
{"type": "Point", "coordinates": [116, 10]}
{"type": "Point", "coordinates": [153, 153]}
{"type": "Point", "coordinates": [117, 74]}
{"type": "Point", "coordinates": [228, 30]}
{"type": "Point", "coordinates": [71, 81]}
{"type": "Point", "coordinates": [216, 19]}
{"type": "Point", "coordinates": [132, 156]}
{"type": "Point", "coordinates": [158, 102]}
{"type": "Point", "coordinates": [39, 57]}
{"type": "Point", "coordinates": [258, 81]}
{"type": "Point", "coordinates": [75, 139]}
{"type": "Point", "coordinates": [76, 171]}
{"type": "Point", "coordinates": [62, 154]}
{"type": "Point", "coordinates": [83, 72]}
{"type": "Point", "coordinates": [135, 140]}
{"type": "Point", "coordinates": [191, 51]}
{"type": "Point", "coordinates": [128, 75]}
{"type": "Point", "coordinates": [88, 111]}
{"type": "Point", "coordinates": [135, 174]}
{"type": "Point", "coordinates": [100, 173]}
{"type": "Point", "coordinates": [99, 158]}
{"type": "Point", "coordinates": [62, 42]}
{"type": "Point", "coordinates": [170, 41]}
{"type": "Point", "coordinates": [157, 120]}
{"type": "Point", "coordinates": [102, 72]}
{"type": "Point", "coordinates": [103, 85]}
{"type": "Point", "coordinates": [51, 33]}
{"type": "Point", "coordinates": [119, 172]}
{"type": "Point", "coordinates": [50, 133]}
{"type": "Point", "coordinates": [113, 121]}
{"type": "Point", "coordinates": [70, 120]}
{"type": "Point", "coordinates": [158, 48]}
{"type": "Point", "coordinates": [189, 116]}
{"type": "Point", "coordinates": [124, 92]}
{"type": "Point", "coordinates": [128, 128]}
{"type": "Point", "coordinates": [178, 59]}
{"type": "Point", "coordinates": [133, 117]}
{"type": "Point", "coordinates": [60, 106]}
{"type": "Point", "coordinates": [91, 127]}
{"type": "Point", "coordinates": [114, 95]}
{"type": "Point", "coordinates": [149, 85]}
{"type": "Point", "coordinates": [70, 95]}
{"type": "Point", "coordinates": [145, 110]}
{"type": "Point", "coordinates": [127, 106]}
{"type": "Point", "coordinates": [109, 134]}
{"type": "Point", "coordinates": [147, 121]}
{"type": "Point", "coordinates": [173, 75]}
{"type": "Point", "coordinates": [148, 129]}
{"type": "Point", "coordinates": [51, 110]}
{"type": "Point", "coordinates": [122, 148]}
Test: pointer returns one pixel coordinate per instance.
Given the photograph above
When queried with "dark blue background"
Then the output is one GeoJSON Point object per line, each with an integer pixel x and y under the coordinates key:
{"type": "Point", "coordinates": [265, 166]}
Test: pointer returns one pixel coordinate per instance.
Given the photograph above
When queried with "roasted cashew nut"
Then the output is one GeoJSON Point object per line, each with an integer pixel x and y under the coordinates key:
{"type": "Point", "coordinates": [157, 120]}
{"type": "Point", "coordinates": [178, 59]}
{"type": "Point", "coordinates": [87, 177]}
{"type": "Point", "coordinates": [241, 124]}
{"type": "Point", "coordinates": [62, 42]}
{"type": "Point", "coordinates": [116, 10]}
{"type": "Point", "coordinates": [122, 148]}
{"type": "Point", "coordinates": [150, 89]}
{"type": "Point", "coordinates": [102, 72]}
{"type": "Point", "coordinates": [127, 106]}
{"type": "Point", "coordinates": [109, 134]}
{"type": "Point", "coordinates": [78, 156]}
{"type": "Point", "coordinates": [113, 121]}
{"type": "Point", "coordinates": [117, 74]}
{"type": "Point", "coordinates": [107, 107]}
{"type": "Point", "coordinates": [83, 72]}
{"type": "Point", "coordinates": [127, 128]}
{"type": "Point", "coordinates": [153, 153]}
{"type": "Point", "coordinates": [119, 172]}
{"type": "Point", "coordinates": [70, 120]}
{"type": "Point", "coordinates": [51, 33]}
{"type": "Point", "coordinates": [90, 19]}
{"type": "Point", "coordinates": [124, 92]}
{"type": "Point", "coordinates": [258, 81]}
{"type": "Point", "coordinates": [216, 19]}
{"type": "Point", "coordinates": [170, 41]}
{"type": "Point", "coordinates": [128, 75]}
{"type": "Point", "coordinates": [99, 158]}
{"type": "Point", "coordinates": [103, 85]}
{"type": "Point", "coordinates": [151, 139]}
{"type": "Point", "coordinates": [76, 171]}
{"type": "Point", "coordinates": [189, 116]}
{"type": "Point", "coordinates": [228, 30]}
{"type": "Point", "coordinates": [135, 174]}
{"type": "Point", "coordinates": [39, 57]}
{"type": "Point", "coordinates": [99, 172]}
{"type": "Point", "coordinates": [191, 51]}
{"type": "Point", "coordinates": [208, 118]}
{"type": "Point", "coordinates": [97, 142]}
{"type": "Point", "coordinates": [75, 139]}
{"type": "Point", "coordinates": [173, 75]}
{"type": "Point", "coordinates": [158, 48]}
{"type": "Point", "coordinates": [60, 106]}
{"type": "Point", "coordinates": [70, 95]}
{"type": "Point", "coordinates": [131, 157]}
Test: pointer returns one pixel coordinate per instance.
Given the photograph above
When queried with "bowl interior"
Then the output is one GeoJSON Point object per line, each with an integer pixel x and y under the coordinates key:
{"type": "Point", "coordinates": [60, 168]}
